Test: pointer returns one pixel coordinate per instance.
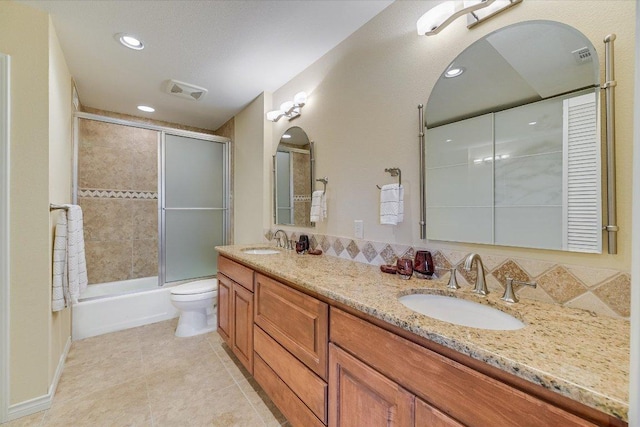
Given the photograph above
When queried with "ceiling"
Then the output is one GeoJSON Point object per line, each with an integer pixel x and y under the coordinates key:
{"type": "Point", "coordinates": [236, 49]}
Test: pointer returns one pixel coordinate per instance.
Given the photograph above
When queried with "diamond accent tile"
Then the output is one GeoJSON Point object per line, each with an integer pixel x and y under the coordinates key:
{"type": "Point", "coordinates": [409, 253]}
{"type": "Point", "coordinates": [324, 243]}
{"type": "Point", "coordinates": [440, 262]}
{"type": "Point", "coordinates": [353, 249]}
{"type": "Point", "coordinates": [369, 252]}
{"type": "Point", "coordinates": [454, 257]}
{"type": "Point", "coordinates": [561, 285]}
{"type": "Point", "coordinates": [313, 242]}
{"type": "Point", "coordinates": [388, 255]}
{"type": "Point", "coordinates": [510, 269]}
{"type": "Point", "coordinates": [616, 293]}
{"type": "Point", "coordinates": [338, 247]}
{"type": "Point", "coordinates": [588, 301]}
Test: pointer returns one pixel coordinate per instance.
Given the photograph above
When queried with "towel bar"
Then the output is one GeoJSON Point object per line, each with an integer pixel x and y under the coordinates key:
{"type": "Point", "coordinates": [53, 207]}
{"type": "Point", "coordinates": [324, 180]}
{"type": "Point", "coordinates": [394, 172]}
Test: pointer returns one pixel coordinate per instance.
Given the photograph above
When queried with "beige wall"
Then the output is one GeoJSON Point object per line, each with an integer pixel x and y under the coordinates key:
{"type": "Point", "coordinates": [362, 114]}
{"type": "Point", "coordinates": [40, 173]}
{"type": "Point", "coordinates": [24, 34]}
{"type": "Point", "coordinates": [251, 176]}
{"type": "Point", "coordinates": [60, 149]}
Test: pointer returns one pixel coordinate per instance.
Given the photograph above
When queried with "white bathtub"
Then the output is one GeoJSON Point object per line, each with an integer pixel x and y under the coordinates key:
{"type": "Point", "coordinates": [114, 306]}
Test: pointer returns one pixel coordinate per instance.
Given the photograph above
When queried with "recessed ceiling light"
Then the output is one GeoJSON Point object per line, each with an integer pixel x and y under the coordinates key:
{"type": "Point", "coordinates": [532, 123]}
{"type": "Point", "coordinates": [146, 108]}
{"type": "Point", "coordinates": [453, 72]}
{"type": "Point", "coordinates": [127, 40]}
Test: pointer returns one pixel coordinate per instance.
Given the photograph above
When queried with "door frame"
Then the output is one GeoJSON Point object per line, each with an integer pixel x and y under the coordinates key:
{"type": "Point", "coordinates": [4, 232]}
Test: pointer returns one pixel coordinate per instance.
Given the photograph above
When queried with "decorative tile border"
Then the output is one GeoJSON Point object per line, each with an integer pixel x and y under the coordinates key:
{"type": "Point", "coordinates": [301, 198]}
{"type": "Point", "coordinates": [117, 194]}
{"type": "Point", "coordinates": [601, 291]}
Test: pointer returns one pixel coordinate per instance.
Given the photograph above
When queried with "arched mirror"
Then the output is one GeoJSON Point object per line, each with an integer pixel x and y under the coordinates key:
{"type": "Point", "coordinates": [293, 178]}
{"type": "Point", "coordinates": [513, 142]}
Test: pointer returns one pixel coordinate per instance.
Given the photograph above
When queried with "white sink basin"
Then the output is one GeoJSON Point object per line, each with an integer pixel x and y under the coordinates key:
{"type": "Point", "coordinates": [261, 251]}
{"type": "Point", "coordinates": [461, 312]}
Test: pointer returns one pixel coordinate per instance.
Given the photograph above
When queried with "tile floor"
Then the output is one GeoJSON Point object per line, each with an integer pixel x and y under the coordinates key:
{"type": "Point", "coordinates": [148, 377]}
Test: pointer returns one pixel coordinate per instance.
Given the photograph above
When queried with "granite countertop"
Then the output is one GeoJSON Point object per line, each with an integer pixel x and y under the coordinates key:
{"type": "Point", "coordinates": [573, 352]}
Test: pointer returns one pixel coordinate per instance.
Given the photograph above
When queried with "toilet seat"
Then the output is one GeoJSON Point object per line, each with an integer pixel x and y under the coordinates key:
{"type": "Point", "coordinates": [197, 287]}
{"type": "Point", "coordinates": [194, 297]}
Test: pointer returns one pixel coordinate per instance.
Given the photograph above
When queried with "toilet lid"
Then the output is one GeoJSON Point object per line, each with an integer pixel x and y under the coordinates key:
{"type": "Point", "coordinates": [197, 287]}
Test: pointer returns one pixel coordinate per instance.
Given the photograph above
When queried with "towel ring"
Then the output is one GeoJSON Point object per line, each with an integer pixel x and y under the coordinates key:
{"type": "Point", "coordinates": [324, 180]}
{"type": "Point", "coordinates": [394, 172]}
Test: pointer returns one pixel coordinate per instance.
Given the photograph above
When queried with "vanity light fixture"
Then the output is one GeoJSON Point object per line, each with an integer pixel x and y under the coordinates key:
{"type": "Point", "coordinates": [130, 41]}
{"type": "Point", "coordinates": [146, 108]}
{"type": "Point", "coordinates": [437, 18]}
{"type": "Point", "coordinates": [289, 109]}
{"type": "Point", "coordinates": [286, 136]}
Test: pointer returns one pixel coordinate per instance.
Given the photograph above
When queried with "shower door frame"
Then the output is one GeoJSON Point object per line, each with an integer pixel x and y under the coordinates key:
{"type": "Point", "coordinates": [226, 173]}
{"type": "Point", "coordinates": [162, 131]}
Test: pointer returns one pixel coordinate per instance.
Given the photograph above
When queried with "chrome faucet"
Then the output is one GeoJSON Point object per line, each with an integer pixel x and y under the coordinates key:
{"type": "Point", "coordinates": [481, 285]}
{"type": "Point", "coordinates": [279, 242]}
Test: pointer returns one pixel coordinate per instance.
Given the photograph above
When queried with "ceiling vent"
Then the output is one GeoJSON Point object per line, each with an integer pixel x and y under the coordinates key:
{"type": "Point", "coordinates": [582, 55]}
{"type": "Point", "coordinates": [185, 90]}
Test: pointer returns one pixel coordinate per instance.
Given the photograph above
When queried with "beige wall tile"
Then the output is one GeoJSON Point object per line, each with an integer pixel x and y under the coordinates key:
{"type": "Point", "coordinates": [145, 258]}
{"type": "Point", "coordinates": [107, 219]}
{"type": "Point", "coordinates": [616, 293]}
{"type": "Point", "coordinates": [145, 219]}
{"type": "Point", "coordinates": [105, 168]}
{"type": "Point", "coordinates": [588, 301]}
{"type": "Point", "coordinates": [108, 261]}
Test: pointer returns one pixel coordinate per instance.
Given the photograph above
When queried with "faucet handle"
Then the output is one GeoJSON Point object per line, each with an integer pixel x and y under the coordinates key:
{"type": "Point", "coordinates": [453, 283]}
{"type": "Point", "coordinates": [509, 294]}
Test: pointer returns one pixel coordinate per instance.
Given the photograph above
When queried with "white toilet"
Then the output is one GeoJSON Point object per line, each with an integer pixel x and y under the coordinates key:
{"type": "Point", "coordinates": [196, 302]}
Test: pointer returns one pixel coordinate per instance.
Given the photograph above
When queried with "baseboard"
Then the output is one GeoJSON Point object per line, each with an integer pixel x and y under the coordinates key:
{"type": "Point", "coordinates": [41, 403]}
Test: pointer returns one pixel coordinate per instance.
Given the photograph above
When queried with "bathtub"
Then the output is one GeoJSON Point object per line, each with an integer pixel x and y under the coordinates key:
{"type": "Point", "coordinates": [114, 306]}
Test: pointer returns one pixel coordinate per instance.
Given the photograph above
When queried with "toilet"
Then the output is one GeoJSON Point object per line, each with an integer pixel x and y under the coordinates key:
{"type": "Point", "coordinates": [196, 302]}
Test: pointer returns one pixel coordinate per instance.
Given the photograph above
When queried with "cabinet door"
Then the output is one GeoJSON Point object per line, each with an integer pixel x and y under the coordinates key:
{"type": "Point", "coordinates": [242, 329]}
{"type": "Point", "coordinates": [428, 416]}
{"type": "Point", "coordinates": [224, 308]}
{"type": "Point", "coordinates": [360, 396]}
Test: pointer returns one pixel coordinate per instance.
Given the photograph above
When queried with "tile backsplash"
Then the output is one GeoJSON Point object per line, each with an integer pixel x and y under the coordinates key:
{"type": "Point", "coordinates": [602, 291]}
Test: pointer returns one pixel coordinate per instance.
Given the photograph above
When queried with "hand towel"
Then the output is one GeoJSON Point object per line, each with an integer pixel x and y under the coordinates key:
{"type": "Point", "coordinates": [391, 204]}
{"type": "Point", "coordinates": [76, 261]}
{"type": "Point", "coordinates": [318, 206]}
{"type": "Point", "coordinates": [59, 263]}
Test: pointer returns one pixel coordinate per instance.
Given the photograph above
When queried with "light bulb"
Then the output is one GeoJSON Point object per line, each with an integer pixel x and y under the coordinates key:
{"type": "Point", "coordinates": [286, 106]}
{"type": "Point", "coordinates": [300, 99]}
{"type": "Point", "coordinates": [274, 115]}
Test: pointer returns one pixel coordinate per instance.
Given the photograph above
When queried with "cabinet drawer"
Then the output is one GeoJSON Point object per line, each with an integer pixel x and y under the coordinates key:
{"type": "Point", "coordinates": [300, 379]}
{"type": "Point", "coordinates": [286, 400]}
{"type": "Point", "coordinates": [460, 392]}
{"type": "Point", "coordinates": [296, 321]}
{"type": "Point", "coordinates": [236, 272]}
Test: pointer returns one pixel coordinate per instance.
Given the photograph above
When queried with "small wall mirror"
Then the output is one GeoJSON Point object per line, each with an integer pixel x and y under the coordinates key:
{"type": "Point", "coordinates": [293, 179]}
{"type": "Point", "coordinates": [513, 142]}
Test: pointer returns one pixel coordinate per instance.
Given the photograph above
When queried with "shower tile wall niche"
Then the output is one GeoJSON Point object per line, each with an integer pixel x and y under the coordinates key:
{"type": "Point", "coordinates": [118, 193]}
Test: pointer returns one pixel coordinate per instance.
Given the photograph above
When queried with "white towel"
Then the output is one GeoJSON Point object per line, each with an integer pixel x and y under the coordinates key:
{"type": "Point", "coordinates": [59, 263]}
{"type": "Point", "coordinates": [69, 263]}
{"type": "Point", "coordinates": [391, 204]}
{"type": "Point", "coordinates": [318, 206]}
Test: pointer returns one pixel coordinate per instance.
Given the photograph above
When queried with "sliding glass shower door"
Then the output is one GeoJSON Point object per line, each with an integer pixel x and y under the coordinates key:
{"type": "Point", "coordinates": [194, 206]}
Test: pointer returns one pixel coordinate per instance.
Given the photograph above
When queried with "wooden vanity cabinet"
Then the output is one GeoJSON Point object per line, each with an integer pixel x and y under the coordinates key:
{"type": "Point", "coordinates": [451, 393]}
{"type": "Point", "coordinates": [235, 309]}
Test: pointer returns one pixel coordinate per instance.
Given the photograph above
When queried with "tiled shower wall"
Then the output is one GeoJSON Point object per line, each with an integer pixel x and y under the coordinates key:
{"type": "Point", "coordinates": [601, 291]}
{"type": "Point", "coordinates": [118, 193]}
{"type": "Point", "coordinates": [301, 189]}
